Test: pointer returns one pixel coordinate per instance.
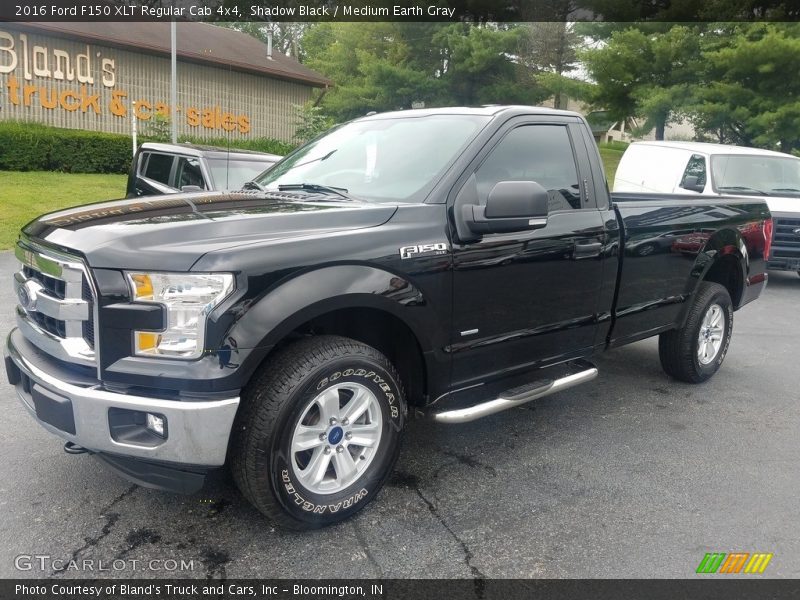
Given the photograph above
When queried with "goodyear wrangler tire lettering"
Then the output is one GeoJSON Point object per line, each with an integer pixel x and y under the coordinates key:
{"type": "Point", "coordinates": [320, 508]}
{"type": "Point", "coordinates": [312, 389]}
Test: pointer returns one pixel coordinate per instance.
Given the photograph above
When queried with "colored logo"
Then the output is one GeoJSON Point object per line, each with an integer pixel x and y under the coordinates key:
{"type": "Point", "coordinates": [735, 562]}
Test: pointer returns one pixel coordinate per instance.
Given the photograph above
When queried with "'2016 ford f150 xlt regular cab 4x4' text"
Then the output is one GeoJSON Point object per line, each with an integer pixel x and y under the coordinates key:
{"type": "Point", "coordinates": [454, 262]}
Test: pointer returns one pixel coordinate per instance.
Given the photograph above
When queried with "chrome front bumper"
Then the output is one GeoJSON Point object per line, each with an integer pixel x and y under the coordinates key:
{"type": "Point", "coordinates": [197, 431]}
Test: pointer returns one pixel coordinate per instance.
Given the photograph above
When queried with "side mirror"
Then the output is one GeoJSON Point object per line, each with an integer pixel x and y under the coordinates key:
{"type": "Point", "coordinates": [511, 206]}
{"type": "Point", "coordinates": [690, 182]}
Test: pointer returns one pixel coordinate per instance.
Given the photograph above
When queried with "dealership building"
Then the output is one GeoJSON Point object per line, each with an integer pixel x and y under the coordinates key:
{"type": "Point", "coordinates": [99, 76]}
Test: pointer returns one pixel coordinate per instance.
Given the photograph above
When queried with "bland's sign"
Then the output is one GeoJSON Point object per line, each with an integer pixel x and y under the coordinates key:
{"type": "Point", "coordinates": [33, 69]}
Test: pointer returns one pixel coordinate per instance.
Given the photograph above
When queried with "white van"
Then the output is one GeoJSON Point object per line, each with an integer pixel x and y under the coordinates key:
{"type": "Point", "coordinates": [694, 168]}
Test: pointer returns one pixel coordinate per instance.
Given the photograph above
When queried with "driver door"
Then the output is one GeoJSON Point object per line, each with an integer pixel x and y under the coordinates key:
{"type": "Point", "coordinates": [528, 298]}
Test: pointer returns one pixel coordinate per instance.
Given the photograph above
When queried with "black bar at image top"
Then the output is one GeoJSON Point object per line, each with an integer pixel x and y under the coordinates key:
{"type": "Point", "coordinates": [392, 10]}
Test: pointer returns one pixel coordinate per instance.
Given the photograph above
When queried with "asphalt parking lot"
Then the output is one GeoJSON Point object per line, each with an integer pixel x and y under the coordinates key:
{"type": "Point", "coordinates": [633, 475]}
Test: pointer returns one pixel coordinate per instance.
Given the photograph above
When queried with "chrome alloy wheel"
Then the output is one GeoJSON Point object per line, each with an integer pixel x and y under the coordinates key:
{"type": "Point", "coordinates": [711, 331]}
{"type": "Point", "coordinates": [336, 438]}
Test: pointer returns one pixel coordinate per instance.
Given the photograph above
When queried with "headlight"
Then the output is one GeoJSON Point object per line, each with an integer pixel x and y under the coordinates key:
{"type": "Point", "coordinates": [188, 298]}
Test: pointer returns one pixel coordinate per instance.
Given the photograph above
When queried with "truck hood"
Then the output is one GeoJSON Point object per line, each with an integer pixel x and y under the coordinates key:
{"type": "Point", "coordinates": [171, 233]}
{"type": "Point", "coordinates": [782, 204]}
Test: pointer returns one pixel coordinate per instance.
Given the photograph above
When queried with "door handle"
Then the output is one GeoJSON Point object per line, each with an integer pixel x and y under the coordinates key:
{"type": "Point", "coordinates": [587, 250]}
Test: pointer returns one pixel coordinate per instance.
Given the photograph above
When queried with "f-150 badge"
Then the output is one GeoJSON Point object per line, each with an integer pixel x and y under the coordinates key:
{"type": "Point", "coordinates": [412, 251]}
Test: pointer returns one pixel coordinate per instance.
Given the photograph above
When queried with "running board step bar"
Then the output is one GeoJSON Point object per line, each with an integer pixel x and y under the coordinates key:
{"type": "Point", "coordinates": [520, 395]}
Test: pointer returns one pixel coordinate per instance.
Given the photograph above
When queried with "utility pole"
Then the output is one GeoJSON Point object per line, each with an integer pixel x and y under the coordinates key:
{"type": "Point", "coordinates": [173, 92]}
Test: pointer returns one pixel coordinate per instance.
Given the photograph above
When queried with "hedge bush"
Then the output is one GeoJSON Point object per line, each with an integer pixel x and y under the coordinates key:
{"type": "Point", "coordinates": [36, 147]}
{"type": "Point", "coordinates": [270, 145]}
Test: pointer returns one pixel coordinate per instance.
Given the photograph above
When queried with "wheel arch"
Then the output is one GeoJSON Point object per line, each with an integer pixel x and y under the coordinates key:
{"type": "Point", "coordinates": [368, 304]}
{"type": "Point", "coordinates": [723, 260]}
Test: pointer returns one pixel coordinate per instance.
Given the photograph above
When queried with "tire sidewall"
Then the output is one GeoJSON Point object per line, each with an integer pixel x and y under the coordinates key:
{"type": "Point", "coordinates": [724, 301]}
{"type": "Point", "coordinates": [323, 509]}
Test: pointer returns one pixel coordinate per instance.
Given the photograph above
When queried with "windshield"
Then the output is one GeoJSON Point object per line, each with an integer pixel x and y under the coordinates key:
{"type": "Point", "coordinates": [754, 174]}
{"type": "Point", "coordinates": [232, 174]}
{"type": "Point", "coordinates": [395, 159]}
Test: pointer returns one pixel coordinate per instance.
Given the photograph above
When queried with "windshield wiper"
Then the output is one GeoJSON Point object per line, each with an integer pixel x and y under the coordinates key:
{"type": "Point", "coordinates": [742, 188]}
{"type": "Point", "coordinates": [253, 185]}
{"type": "Point", "coordinates": [316, 187]}
{"type": "Point", "coordinates": [785, 190]}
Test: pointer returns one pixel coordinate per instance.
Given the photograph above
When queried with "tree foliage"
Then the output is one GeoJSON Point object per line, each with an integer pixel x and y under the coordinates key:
{"type": "Point", "coordinates": [750, 94]}
{"type": "Point", "coordinates": [645, 73]}
{"type": "Point", "coordinates": [390, 65]}
{"type": "Point", "coordinates": [734, 81]}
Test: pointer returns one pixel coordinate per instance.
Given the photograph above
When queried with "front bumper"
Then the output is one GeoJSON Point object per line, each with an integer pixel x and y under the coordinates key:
{"type": "Point", "coordinates": [783, 264]}
{"type": "Point", "coordinates": [76, 408]}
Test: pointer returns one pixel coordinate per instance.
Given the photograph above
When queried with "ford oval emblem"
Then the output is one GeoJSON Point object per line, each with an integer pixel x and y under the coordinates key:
{"type": "Point", "coordinates": [28, 294]}
{"type": "Point", "coordinates": [24, 297]}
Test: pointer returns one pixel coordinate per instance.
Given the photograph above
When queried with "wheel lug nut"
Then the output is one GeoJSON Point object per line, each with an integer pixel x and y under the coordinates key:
{"type": "Point", "coordinates": [321, 437]}
{"type": "Point", "coordinates": [327, 449]}
{"type": "Point", "coordinates": [345, 421]}
{"type": "Point", "coordinates": [333, 421]}
{"type": "Point", "coordinates": [348, 436]}
{"type": "Point", "coordinates": [339, 449]}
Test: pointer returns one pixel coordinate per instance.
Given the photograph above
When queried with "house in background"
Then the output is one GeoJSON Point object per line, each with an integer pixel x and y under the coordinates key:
{"type": "Point", "coordinates": [606, 129]}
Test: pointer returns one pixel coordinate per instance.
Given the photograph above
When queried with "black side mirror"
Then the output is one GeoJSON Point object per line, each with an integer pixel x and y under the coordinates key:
{"type": "Point", "coordinates": [690, 182]}
{"type": "Point", "coordinates": [511, 206]}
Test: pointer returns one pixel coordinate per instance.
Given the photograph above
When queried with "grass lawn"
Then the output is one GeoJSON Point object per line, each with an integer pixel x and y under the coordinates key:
{"type": "Point", "coordinates": [610, 157]}
{"type": "Point", "coordinates": [25, 196]}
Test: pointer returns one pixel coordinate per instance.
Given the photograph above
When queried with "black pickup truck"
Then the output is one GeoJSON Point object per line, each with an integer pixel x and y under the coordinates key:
{"type": "Point", "coordinates": [449, 262]}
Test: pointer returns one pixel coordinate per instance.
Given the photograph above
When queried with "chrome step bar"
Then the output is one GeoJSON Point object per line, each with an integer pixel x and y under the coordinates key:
{"type": "Point", "coordinates": [514, 397]}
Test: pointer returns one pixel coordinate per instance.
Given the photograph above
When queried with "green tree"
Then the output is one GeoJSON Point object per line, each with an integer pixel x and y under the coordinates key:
{"type": "Point", "coordinates": [374, 66]}
{"type": "Point", "coordinates": [390, 65]}
{"type": "Point", "coordinates": [644, 73]}
{"type": "Point", "coordinates": [549, 53]}
{"type": "Point", "coordinates": [749, 93]}
{"type": "Point", "coordinates": [311, 121]}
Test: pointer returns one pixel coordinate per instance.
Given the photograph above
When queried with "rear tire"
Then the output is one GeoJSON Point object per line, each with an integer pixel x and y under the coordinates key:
{"type": "Point", "coordinates": [295, 454]}
{"type": "Point", "coordinates": [696, 351]}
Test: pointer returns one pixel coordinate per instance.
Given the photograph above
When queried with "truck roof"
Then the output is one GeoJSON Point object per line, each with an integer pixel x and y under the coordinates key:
{"type": "Point", "coordinates": [489, 110]}
{"type": "Point", "coordinates": [199, 150]}
{"type": "Point", "coordinates": [707, 148]}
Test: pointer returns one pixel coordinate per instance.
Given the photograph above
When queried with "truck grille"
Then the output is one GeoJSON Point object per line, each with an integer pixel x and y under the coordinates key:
{"type": "Point", "coordinates": [56, 303]}
{"type": "Point", "coordinates": [785, 242]}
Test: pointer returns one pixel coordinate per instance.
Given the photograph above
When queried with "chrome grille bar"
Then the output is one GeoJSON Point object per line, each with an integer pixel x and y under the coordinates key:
{"type": "Point", "coordinates": [50, 322]}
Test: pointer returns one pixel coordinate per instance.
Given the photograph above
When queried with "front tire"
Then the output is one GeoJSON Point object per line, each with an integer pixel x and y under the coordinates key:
{"type": "Point", "coordinates": [696, 351]}
{"type": "Point", "coordinates": [319, 431]}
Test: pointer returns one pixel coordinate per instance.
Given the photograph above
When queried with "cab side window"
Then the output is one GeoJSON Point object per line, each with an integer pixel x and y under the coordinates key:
{"type": "Point", "coordinates": [157, 167]}
{"type": "Point", "coordinates": [540, 153]}
{"type": "Point", "coordinates": [695, 168]}
{"type": "Point", "coordinates": [188, 172]}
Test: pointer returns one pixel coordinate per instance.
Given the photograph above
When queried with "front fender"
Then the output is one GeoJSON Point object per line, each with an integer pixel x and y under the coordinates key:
{"type": "Point", "coordinates": [313, 293]}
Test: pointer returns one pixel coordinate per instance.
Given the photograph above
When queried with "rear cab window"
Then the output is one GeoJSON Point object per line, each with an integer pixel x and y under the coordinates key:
{"type": "Point", "coordinates": [157, 166]}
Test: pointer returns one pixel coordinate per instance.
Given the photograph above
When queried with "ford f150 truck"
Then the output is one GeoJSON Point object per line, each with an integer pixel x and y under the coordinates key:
{"type": "Point", "coordinates": [448, 262]}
